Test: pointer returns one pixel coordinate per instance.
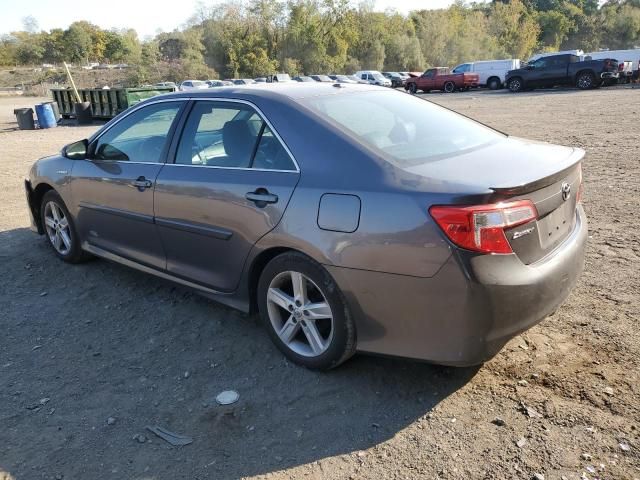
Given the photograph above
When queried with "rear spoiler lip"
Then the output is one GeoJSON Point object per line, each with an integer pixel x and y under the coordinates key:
{"type": "Point", "coordinates": [574, 159]}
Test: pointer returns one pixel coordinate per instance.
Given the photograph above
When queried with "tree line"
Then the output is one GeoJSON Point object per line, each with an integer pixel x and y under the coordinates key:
{"type": "Point", "coordinates": [249, 39]}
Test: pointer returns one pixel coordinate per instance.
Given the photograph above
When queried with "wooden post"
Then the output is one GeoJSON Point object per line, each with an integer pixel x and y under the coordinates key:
{"type": "Point", "coordinates": [73, 84]}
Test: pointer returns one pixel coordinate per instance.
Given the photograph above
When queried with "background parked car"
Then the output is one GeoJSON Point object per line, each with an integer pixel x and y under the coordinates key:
{"type": "Point", "coordinates": [491, 73]}
{"type": "Point", "coordinates": [218, 83]}
{"type": "Point", "coordinates": [342, 79]}
{"type": "Point", "coordinates": [373, 77]}
{"type": "Point", "coordinates": [578, 53]}
{"type": "Point", "coordinates": [279, 78]}
{"type": "Point", "coordinates": [190, 85]}
{"type": "Point", "coordinates": [632, 55]}
{"type": "Point", "coordinates": [441, 78]}
{"type": "Point", "coordinates": [321, 78]}
{"type": "Point", "coordinates": [396, 79]}
{"type": "Point", "coordinates": [547, 72]}
{"type": "Point", "coordinates": [166, 85]}
{"type": "Point", "coordinates": [244, 81]}
{"type": "Point", "coordinates": [303, 78]}
{"type": "Point", "coordinates": [357, 79]}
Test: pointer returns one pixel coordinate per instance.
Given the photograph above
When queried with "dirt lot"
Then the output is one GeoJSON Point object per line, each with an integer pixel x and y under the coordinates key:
{"type": "Point", "coordinates": [82, 344]}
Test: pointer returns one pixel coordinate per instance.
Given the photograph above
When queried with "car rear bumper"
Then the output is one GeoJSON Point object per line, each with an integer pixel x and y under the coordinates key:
{"type": "Point", "coordinates": [466, 312]}
{"type": "Point", "coordinates": [605, 75]}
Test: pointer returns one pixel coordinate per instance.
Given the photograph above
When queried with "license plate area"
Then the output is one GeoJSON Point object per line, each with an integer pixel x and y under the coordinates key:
{"type": "Point", "coordinates": [556, 226]}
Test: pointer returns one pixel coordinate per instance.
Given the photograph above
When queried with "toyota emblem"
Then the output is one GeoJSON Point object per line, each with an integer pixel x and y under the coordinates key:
{"type": "Point", "coordinates": [566, 191]}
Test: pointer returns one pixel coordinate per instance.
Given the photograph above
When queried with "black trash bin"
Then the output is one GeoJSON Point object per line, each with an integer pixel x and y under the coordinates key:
{"type": "Point", "coordinates": [24, 116]}
{"type": "Point", "coordinates": [83, 113]}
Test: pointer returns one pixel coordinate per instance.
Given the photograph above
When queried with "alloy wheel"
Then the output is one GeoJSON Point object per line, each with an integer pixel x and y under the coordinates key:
{"type": "Point", "coordinates": [300, 314]}
{"type": "Point", "coordinates": [585, 81]}
{"type": "Point", "coordinates": [57, 226]}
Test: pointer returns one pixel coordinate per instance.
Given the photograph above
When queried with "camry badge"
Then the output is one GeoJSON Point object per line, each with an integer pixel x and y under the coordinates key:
{"type": "Point", "coordinates": [566, 191]}
{"type": "Point", "coordinates": [524, 232]}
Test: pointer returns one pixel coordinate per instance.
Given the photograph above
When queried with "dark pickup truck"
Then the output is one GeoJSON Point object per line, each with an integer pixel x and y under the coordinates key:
{"type": "Point", "coordinates": [565, 69]}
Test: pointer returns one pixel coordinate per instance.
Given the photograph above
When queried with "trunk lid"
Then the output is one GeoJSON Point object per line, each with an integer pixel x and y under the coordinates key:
{"type": "Point", "coordinates": [518, 169]}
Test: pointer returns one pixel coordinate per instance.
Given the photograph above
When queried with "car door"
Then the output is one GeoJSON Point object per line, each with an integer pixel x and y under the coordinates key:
{"type": "Point", "coordinates": [229, 185]}
{"type": "Point", "coordinates": [113, 188]}
{"type": "Point", "coordinates": [555, 72]}
{"type": "Point", "coordinates": [536, 74]}
{"type": "Point", "coordinates": [427, 80]}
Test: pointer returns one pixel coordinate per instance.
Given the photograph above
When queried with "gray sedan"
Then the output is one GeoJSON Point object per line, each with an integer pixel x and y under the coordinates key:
{"type": "Point", "coordinates": [352, 218]}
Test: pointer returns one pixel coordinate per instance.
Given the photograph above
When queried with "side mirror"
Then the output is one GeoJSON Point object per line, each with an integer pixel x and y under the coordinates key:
{"type": "Point", "coordinates": [76, 150]}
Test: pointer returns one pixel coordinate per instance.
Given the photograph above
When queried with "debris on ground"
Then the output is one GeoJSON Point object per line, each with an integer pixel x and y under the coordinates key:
{"type": "Point", "coordinates": [499, 422]}
{"type": "Point", "coordinates": [228, 397]}
{"type": "Point", "coordinates": [173, 438]}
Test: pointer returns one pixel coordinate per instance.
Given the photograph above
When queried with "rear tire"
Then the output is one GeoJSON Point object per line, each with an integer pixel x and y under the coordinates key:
{"type": "Point", "coordinates": [60, 229]}
{"type": "Point", "coordinates": [305, 312]}
{"type": "Point", "coordinates": [586, 81]}
{"type": "Point", "coordinates": [515, 85]}
{"type": "Point", "coordinates": [494, 83]}
{"type": "Point", "coordinates": [449, 87]}
{"type": "Point", "coordinates": [413, 89]}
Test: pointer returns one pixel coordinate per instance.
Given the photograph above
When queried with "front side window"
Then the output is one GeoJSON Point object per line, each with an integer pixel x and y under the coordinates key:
{"type": "Point", "coordinates": [140, 136]}
{"type": "Point", "coordinates": [231, 135]}
{"type": "Point", "coordinates": [403, 129]}
{"type": "Point", "coordinates": [540, 63]}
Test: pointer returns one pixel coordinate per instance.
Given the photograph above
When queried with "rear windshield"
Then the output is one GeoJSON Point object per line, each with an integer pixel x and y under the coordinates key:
{"type": "Point", "coordinates": [403, 128]}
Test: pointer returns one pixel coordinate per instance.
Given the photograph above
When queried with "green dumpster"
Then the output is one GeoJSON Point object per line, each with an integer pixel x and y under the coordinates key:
{"type": "Point", "coordinates": [105, 103]}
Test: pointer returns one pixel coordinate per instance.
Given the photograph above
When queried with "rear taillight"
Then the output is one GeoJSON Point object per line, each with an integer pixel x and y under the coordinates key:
{"type": "Point", "coordinates": [481, 227]}
{"type": "Point", "coordinates": [621, 67]}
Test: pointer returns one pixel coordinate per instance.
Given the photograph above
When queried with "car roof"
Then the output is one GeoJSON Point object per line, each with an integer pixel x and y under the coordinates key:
{"type": "Point", "coordinates": [274, 91]}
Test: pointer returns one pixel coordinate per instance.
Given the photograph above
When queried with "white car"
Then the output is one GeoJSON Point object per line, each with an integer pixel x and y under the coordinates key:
{"type": "Point", "coordinates": [190, 85]}
{"type": "Point", "coordinates": [491, 73]}
{"type": "Point", "coordinates": [373, 77]}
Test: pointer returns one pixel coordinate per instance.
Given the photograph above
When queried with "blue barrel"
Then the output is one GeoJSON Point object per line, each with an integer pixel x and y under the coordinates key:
{"type": "Point", "coordinates": [46, 117]}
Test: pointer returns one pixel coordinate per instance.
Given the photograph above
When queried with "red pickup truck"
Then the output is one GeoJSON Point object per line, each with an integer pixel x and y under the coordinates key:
{"type": "Point", "coordinates": [440, 78]}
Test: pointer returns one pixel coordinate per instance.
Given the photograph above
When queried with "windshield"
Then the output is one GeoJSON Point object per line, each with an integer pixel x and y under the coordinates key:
{"type": "Point", "coordinates": [404, 129]}
{"type": "Point", "coordinates": [378, 76]}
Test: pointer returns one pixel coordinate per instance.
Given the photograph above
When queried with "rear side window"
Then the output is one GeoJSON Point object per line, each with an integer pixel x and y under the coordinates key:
{"type": "Point", "coordinates": [230, 135]}
{"type": "Point", "coordinates": [405, 130]}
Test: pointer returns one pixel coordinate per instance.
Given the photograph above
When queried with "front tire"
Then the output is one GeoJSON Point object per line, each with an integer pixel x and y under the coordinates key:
{"type": "Point", "coordinates": [59, 228]}
{"type": "Point", "coordinates": [449, 87]}
{"type": "Point", "coordinates": [305, 312]}
{"type": "Point", "coordinates": [515, 85]}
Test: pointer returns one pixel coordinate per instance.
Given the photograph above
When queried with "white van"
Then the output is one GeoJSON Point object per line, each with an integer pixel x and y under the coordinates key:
{"type": "Point", "coordinates": [374, 77]}
{"type": "Point", "coordinates": [578, 53]}
{"type": "Point", "coordinates": [620, 55]}
{"type": "Point", "coordinates": [491, 72]}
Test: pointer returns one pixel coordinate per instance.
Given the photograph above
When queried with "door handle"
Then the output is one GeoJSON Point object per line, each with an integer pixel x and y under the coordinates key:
{"type": "Point", "coordinates": [141, 183]}
{"type": "Point", "coordinates": [261, 197]}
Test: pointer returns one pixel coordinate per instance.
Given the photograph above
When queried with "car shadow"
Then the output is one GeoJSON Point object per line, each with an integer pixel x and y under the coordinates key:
{"type": "Point", "coordinates": [99, 340]}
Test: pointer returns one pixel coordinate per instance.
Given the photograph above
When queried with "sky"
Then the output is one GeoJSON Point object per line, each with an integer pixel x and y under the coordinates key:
{"type": "Point", "coordinates": [146, 16]}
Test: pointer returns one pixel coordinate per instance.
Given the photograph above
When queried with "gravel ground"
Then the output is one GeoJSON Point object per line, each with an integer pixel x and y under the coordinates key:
{"type": "Point", "coordinates": [92, 354]}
